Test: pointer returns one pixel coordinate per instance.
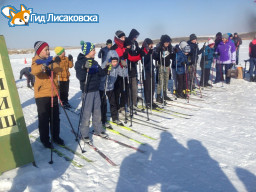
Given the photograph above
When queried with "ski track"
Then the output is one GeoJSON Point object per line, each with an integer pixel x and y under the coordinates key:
{"type": "Point", "coordinates": [214, 150]}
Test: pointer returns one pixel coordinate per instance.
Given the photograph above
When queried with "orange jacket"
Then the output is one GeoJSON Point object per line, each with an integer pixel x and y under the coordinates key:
{"type": "Point", "coordinates": [65, 64]}
{"type": "Point", "coordinates": [42, 86]}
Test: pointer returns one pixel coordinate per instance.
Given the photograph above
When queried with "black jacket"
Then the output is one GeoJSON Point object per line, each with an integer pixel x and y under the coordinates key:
{"type": "Point", "coordinates": [159, 49]}
{"type": "Point", "coordinates": [135, 50]}
{"type": "Point", "coordinates": [94, 74]}
{"type": "Point", "coordinates": [193, 55]}
{"type": "Point", "coordinates": [238, 41]}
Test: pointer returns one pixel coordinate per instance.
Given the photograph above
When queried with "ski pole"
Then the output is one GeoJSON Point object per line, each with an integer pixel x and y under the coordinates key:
{"type": "Point", "coordinates": [204, 66]}
{"type": "Point", "coordinates": [212, 72]}
{"type": "Point", "coordinates": [144, 80]}
{"type": "Point", "coordinates": [125, 105]}
{"type": "Point", "coordinates": [151, 86]}
{"type": "Point", "coordinates": [186, 71]}
{"type": "Point", "coordinates": [140, 69]}
{"type": "Point", "coordinates": [131, 94]}
{"type": "Point", "coordinates": [51, 124]}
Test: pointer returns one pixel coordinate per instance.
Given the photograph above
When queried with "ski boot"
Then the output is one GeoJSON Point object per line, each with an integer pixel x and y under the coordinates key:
{"type": "Point", "coordinates": [118, 122]}
{"type": "Point", "coordinates": [59, 141]}
{"type": "Point", "coordinates": [159, 99]}
{"type": "Point", "coordinates": [154, 106]}
{"type": "Point", "coordinates": [104, 135]}
{"type": "Point", "coordinates": [87, 140]}
{"type": "Point", "coordinates": [107, 125]}
{"type": "Point", "coordinates": [166, 98]}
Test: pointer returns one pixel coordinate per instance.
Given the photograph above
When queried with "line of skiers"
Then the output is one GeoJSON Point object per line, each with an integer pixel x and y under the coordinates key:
{"type": "Point", "coordinates": [116, 78]}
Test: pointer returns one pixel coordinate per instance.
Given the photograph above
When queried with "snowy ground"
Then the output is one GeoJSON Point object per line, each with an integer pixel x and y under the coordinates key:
{"type": "Point", "coordinates": [212, 151]}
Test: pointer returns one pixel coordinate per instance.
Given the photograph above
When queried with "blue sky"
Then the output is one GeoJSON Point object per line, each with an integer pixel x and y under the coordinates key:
{"type": "Point", "coordinates": [151, 18]}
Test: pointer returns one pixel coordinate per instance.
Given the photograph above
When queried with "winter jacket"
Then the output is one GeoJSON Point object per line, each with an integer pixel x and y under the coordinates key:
{"type": "Point", "coordinates": [238, 41]}
{"type": "Point", "coordinates": [252, 49]}
{"type": "Point", "coordinates": [103, 53]}
{"type": "Point", "coordinates": [134, 51]}
{"type": "Point", "coordinates": [193, 55]}
{"type": "Point", "coordinates": [65, 64]}
{"type": "Point", "coordinates": [166, 54]}
{"type": "Point", "coordinates": [179, 61]}
{"type": "Point", "coordinates": [112, 75]}
{"type": "Point", "coordinates": [147, 63]}
{"type": "Point", "coordinates": [119, 48]}
{"type": "Point", "coordinates": [25, 71]}
{"type": "Point", "coordinates": [42, 86]}
{"type": "Point", "coordinates": [94, 74]}
{"type": "Point", "coordinates": [226, 52]}
{"type": "Point", "coordinates": [207, 58]}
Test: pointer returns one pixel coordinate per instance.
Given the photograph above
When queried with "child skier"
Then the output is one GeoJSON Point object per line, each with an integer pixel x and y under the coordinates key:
{"type": "Point", "coordinates": [42, 64]}
{"type": "Point", "coordinates": [206, 63]}
{"type": "Point", "coordinates": [162, 54]}
{"type": "Point", "coordinates": [182, 50]}
{"type": "Point", "coordinates": [30, 78]}
{"type": "Point", "coordinates": [149, 77]}
{"type": "Point", "coordinates": [63, 76]}
{"type": "Point", "coordinates": [90, 73]}
{"type": "Point", "coordinates": [107, 86]}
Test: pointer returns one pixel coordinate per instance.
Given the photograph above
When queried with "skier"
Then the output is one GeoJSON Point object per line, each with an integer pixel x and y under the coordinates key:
{"type": "Point", "coordinates": [163, 50]}
{"type": "Point", "coordinates": [238, 41]}
{"type": "Point", "coordinates": [206, 63]}
{"type": "Point", "coordinates": [227, 56]}
{"type": "Point", "coordinates": [107, 86]}
{"type": "Point", "coordinates": [63, 76]}
{"type": "Point", "coordinates": [134, 50]}
{"type": "Point", "coordinates": [252, 55]}
{"type": "Point", "coordinates": [182, 50]}
{"type": "Point", "coordinates": [91, 73]}
{"type": "Point", "coordinates": [104, 51]}
{"type": "Point", "coordinates": [149, 89]}
{"type": "Point", "coordinates": [42, 64]}
{"type": "Point", "coordinates": [30, 78]}
{"type": "Point", "coordinates": [192, 61]}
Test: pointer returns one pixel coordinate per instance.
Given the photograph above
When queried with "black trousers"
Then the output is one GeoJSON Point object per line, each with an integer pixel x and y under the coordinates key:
{"type": "Point", "coordinates": [181, 83]}
{"type": "Point", "coordinates": [64, 89]}
{"type": "Point", "coordinates": [148, 89]}
{"type": "Point", "coordinates": [120, 95]}
{"type": "Point", "coordinates": [205, 76]}
{"type": "Point", "coordinates": [44, 118]}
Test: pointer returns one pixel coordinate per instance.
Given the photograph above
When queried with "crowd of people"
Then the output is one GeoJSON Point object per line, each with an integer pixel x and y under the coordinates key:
{"type": "Point", "coordinates": [126, 67]}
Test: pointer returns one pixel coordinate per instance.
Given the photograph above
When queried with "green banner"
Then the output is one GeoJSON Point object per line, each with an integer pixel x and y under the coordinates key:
{"type": "Point", "coordinates": [15, 148]}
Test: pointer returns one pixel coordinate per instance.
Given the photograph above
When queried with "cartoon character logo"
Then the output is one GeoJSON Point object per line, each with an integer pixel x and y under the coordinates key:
{"type": "Point", "coordinates": [20, 18]}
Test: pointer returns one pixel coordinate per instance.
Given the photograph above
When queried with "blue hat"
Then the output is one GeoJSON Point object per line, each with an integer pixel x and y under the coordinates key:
{"type": "Point", "coordinates": [87, 47]}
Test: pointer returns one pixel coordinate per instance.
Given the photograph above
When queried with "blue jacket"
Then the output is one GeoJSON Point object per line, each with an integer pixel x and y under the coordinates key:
{"type": "Point", "coordinates": [113, 73]}
{"type": "Point", "coordinates": [179, 61]}
{"type": "Point", "coordinates": [208, 55]}
{"type": "Point", "coordinates": [103, 53]}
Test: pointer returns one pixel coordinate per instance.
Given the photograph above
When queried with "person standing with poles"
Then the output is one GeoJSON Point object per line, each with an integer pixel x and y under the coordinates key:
{"type": "Point", "coordinates": [91, 96]}
{"type": "Point", "coordinates": [162, 54]}
{"type": "Point", "coordinates": [43, 94]}
{"type": "Point", "coordinates": [238, 41]}
{"type": "Point", "coordinates": [206, 63]}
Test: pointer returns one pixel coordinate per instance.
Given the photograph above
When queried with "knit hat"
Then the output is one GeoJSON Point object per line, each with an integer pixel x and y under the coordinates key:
{"type": "Point", "coordinates": [39, 46]}
{"type": "Point", "coordinates": [148, 41]}
{"type": "Point", "coordinates": [192, 37]}
{"type": "Point", "coordinates": [165, 39]}
{"type": "Point", "coordinates": [109, 41]}
{"type": "Point", "coordinates": [225, 36]}
{"type": "Point", "coordinates": [127, 42]}
{"type": "Point", "coordinates": [87, 47]}
{"type": "Point", "coordinates": [120, 34]}
{"type": "Point", "coordinates": [219, 35]}
{"type": "Point", "coordinates": [235, 34]}
{"type": "Point", "coordinates": [184, 47]}
{"type": "Point", "coordinates": [210, 42]}
{"type": "Point", "coordinates": [59, 50]}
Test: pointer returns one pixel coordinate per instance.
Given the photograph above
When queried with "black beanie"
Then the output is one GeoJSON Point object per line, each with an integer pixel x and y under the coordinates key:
{"type": "Point", "coordinates": [165, 38]}
{"type": "Point", "coordinates": [120, 34]}
{"type": "Point", "coordinates": [109, 42]}
{"type": "Point", "coordinates": [148, 41]}
{"type": "Point", "coordinates": [192, 37]}
{"type": "Point", "coordinates": [127, 42]}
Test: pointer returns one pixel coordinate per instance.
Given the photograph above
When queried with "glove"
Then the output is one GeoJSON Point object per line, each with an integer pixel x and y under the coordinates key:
{"type": "Point", "coordinates": [70, 57]}
{"type": "Point", "coordinates": [142, 53]}
{"type": "Point", "coordinates": [88, 64]}
{"type": "Point", "coordinates": [109, 66]}
{"type": "Point", "coordinates": [47, 61]}
{"type": "Point", "coordinates": [57, 59]}
{"type": "Point", "coordinates": [125, 55]}
{"type": "Point", "coordinates": [123, 63]}
{"type": "Point", "coordinates": [46, 69]}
